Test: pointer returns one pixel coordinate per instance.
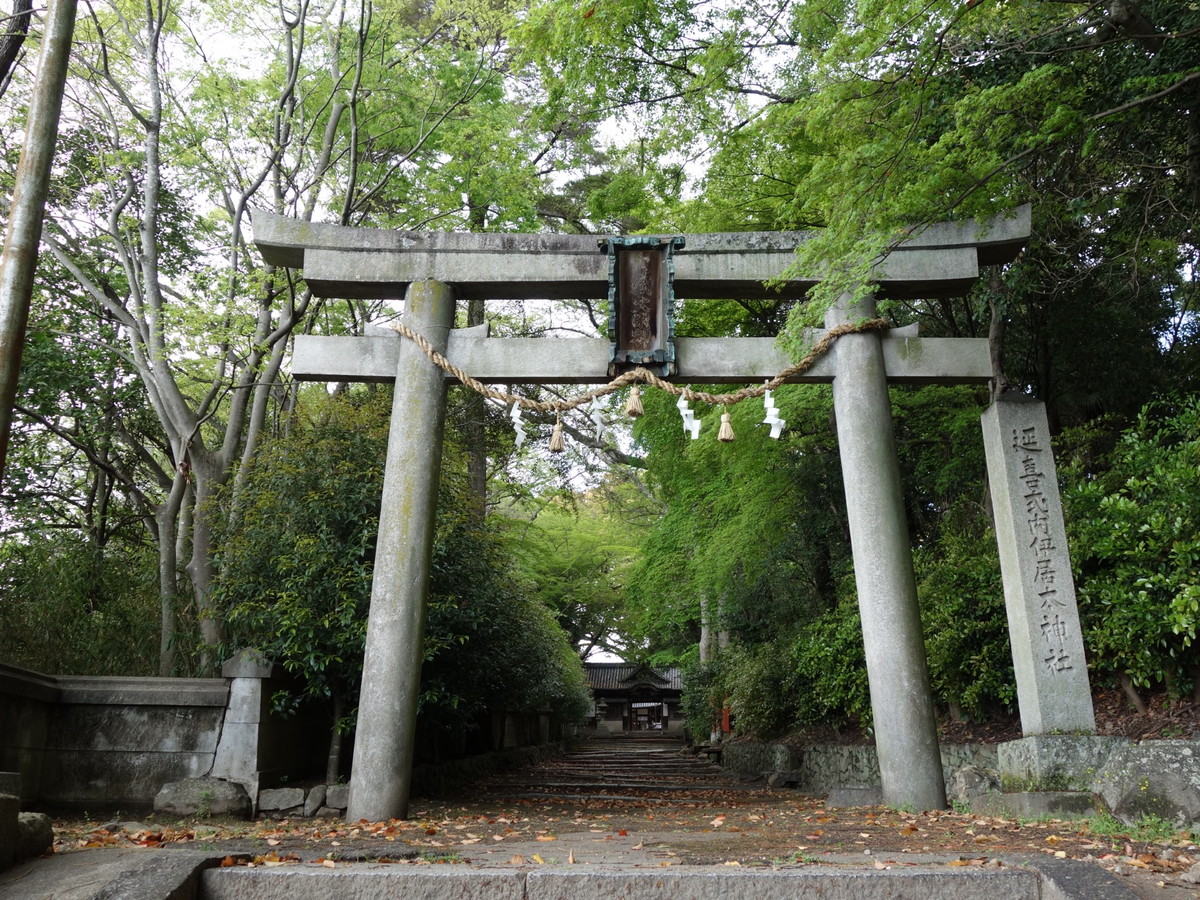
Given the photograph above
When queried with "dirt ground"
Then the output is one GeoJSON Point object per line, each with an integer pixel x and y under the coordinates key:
{"type": "Point", "coordinates": [734, 827]}
{"type": "Point", "coordinates": [732, 824]}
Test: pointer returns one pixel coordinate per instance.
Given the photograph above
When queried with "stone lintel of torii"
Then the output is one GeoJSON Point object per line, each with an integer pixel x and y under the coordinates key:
{"type": "Point", "coordinates": [432, 270]}
{"type": "Point", "coordinates": [363, 263]}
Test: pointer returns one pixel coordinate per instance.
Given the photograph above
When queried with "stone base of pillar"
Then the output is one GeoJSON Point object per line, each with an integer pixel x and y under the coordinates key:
{"type": "Point", "coordinates": [1054, 762]}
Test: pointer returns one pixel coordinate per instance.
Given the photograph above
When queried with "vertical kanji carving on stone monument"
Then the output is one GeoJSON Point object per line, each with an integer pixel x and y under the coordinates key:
{"type": "Point", "coordinates": [1043, 620]}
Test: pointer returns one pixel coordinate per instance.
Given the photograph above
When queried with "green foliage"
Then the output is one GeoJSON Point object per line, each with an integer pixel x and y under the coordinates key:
{"type": "Point", "coordinates": [762, 686]}
{"type": "Point", "coordinates": [1147, 828]}
{"type": "Point", "coordinates": [574, 558]}
{"type": "Point", "coordinates": [703, 696]}
{"type": "Point", "coordinates": [295, 563]}
{"type": "Point", "coordinates": [296, 568]}
{"type": "Point", "coordinates": [964, 618]}
{"type": "Point", "coordinates": [756, 526]}
{"type": "Point", "coordinates": [1134, 526]}
{"type": "Point", "coordinates": [831, 668]}
{"type": "Point", "coordinates": [72, 609]}
{"type": "Point", "coordinates": [488, 644]}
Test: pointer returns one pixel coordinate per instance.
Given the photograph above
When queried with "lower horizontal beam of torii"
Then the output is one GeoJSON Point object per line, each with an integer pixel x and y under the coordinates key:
{"type": "Point", "coordinates": [908, 359]}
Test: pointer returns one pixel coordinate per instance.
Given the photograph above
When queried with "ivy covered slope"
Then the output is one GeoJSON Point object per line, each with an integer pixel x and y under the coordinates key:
{"type": "Point", "coordinates": [1135, 533]}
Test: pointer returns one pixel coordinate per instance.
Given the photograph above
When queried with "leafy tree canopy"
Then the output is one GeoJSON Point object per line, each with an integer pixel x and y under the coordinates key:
{"type": "Point", "coordinates": [296, 563]}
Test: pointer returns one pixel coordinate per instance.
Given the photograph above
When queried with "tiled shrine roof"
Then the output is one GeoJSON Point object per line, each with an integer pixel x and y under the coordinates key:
{"type": "Point", "coordinates": [623, 676]}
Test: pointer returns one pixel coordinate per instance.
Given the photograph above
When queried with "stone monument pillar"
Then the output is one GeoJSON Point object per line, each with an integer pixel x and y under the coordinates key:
{"type": "Point", "coordinates": [384, 742]}
{"type": "Point", "coordinates": [237, 754]}
{"type": "Point", "coordinates": [1039, 591]}
{"type": "Point", "coordinates": [910, 765]}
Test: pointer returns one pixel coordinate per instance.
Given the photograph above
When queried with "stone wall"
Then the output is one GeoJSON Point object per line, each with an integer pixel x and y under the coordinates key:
{"type": "Point", "coordinates": [752, 758]}
{"type": "Point", "coordinates": [26, 703]}
{"type": "Point", "coordinates": [818, 770]}
{"type": "Point", "coordinates": [106, 741]}
{"type": "Point", "coordinates": [112, 742]}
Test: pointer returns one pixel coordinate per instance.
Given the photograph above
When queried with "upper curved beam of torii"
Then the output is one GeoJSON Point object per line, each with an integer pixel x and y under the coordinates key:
{"type": "Point", "coordinates": [360, 263]}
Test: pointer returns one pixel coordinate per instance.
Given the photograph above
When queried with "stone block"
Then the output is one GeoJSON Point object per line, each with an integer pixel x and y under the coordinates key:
{"type": "Point", "coordinates": [315, 800]}
{"type": "Point", "coordinates": [275, 799]}
{"type": "Point", "coordinates": [10, 808]}
{"type": "Point", "coordinates": [289, 883]}
{"type": "Point", "coordinates": [785, 884]}
{"type": "Point", "coordinates": [114, 728]}
{"type": "Point", "coordinates": [10, 783]}
{"type": "Point", "coordinates": [35, 835]}
{"type": "Point", "coordinates": [245, 702]}
{"type": "Point", "coordinates": [1157, 778]}
{"type": "Point", "coordinates": [972, 786]}
{"type": "Point", "coordinates": [1073, 879]}
{"type": "Point", "coordinates": [237, 753]}
{"type": "Point", "coordinates": [1039, 594]}
{"type": "Point", "coordinates": [357, 883]}
{"type": "Point", "coordinates": [1063, 804]}
{"type": "Point", "coordinates": [114, 778]}
{"type": "Point", "coordinates": [202, 797]}
{"type": "Point", "coordinates": [854, 796]}
{"type": "Point", "coordinates": [337, 796]}
{"type": "Point", "coordinates": [169, 876]}
{"type": "Point", "coordinates": [247, 664]}
{"type": "Point", "coordinates": [1054, 762]}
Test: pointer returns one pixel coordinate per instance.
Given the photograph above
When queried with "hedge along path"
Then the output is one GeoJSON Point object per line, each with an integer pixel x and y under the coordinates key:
{"type": "Point", "coordinates": [641, 375]}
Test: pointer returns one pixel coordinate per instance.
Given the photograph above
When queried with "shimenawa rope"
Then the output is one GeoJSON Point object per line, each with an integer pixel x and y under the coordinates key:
{"type": "Point", "coordinates": [641, 376]}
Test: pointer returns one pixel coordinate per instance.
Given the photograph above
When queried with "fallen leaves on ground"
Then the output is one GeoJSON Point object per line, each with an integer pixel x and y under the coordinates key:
{"type": "Point", "coordinates": [772, 829]}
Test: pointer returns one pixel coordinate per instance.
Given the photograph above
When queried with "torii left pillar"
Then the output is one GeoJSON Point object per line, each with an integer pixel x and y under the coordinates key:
{"type": "Point", "coordinates": [391, 686]}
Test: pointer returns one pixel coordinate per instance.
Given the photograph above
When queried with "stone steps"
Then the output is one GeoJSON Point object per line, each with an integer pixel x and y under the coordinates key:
{"type": "Point", "coordinates": [363, 883]}
{"type": "Point", "coordinates": [616, 765]}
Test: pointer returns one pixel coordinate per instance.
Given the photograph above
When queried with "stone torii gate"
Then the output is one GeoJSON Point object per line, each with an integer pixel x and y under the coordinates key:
{"type": "Point", "coordinates": [431, 270]}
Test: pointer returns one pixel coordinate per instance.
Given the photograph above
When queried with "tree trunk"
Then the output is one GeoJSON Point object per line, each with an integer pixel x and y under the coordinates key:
{"type": "Point", "coordinates": [1171, 685]}
{"type": "Point", "coordinates": [209, 474]}
{"type": "Point", "coordinates": [167, 523]}
{"type": "Point", "coordinates": [999, 313]}
{"type": "Point", "coordinates": [474, 432]}
{"type": "Point", "coordinates": [27, 206]}
{"type": "Point", "coordinates": [1193, 149]}
{"type": "Point", "coordinates": [11, 40]}
{"type": "Point", "coordinates": [476, 407]}
{"type": "Point", "coordinates": [1132, 694]}
{"type": "Point", "coordinates": [333, 763]}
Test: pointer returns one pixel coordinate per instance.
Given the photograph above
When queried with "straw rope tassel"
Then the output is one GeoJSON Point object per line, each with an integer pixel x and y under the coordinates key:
{"type": "Point", "coordinates": [557, 443]}
{"type": "Point", "coordinates": [633, 408]}
{"type": "Point", "coordinates": [725, 435]}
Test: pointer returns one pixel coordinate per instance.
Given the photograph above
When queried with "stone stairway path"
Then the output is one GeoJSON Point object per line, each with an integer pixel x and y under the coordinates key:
{"type": "Point", "coordinates": [647, 770]}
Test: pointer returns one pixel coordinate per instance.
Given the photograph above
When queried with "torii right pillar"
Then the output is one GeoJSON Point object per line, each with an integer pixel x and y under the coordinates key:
{"type": "Point", "coordinates": [910, 763]}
